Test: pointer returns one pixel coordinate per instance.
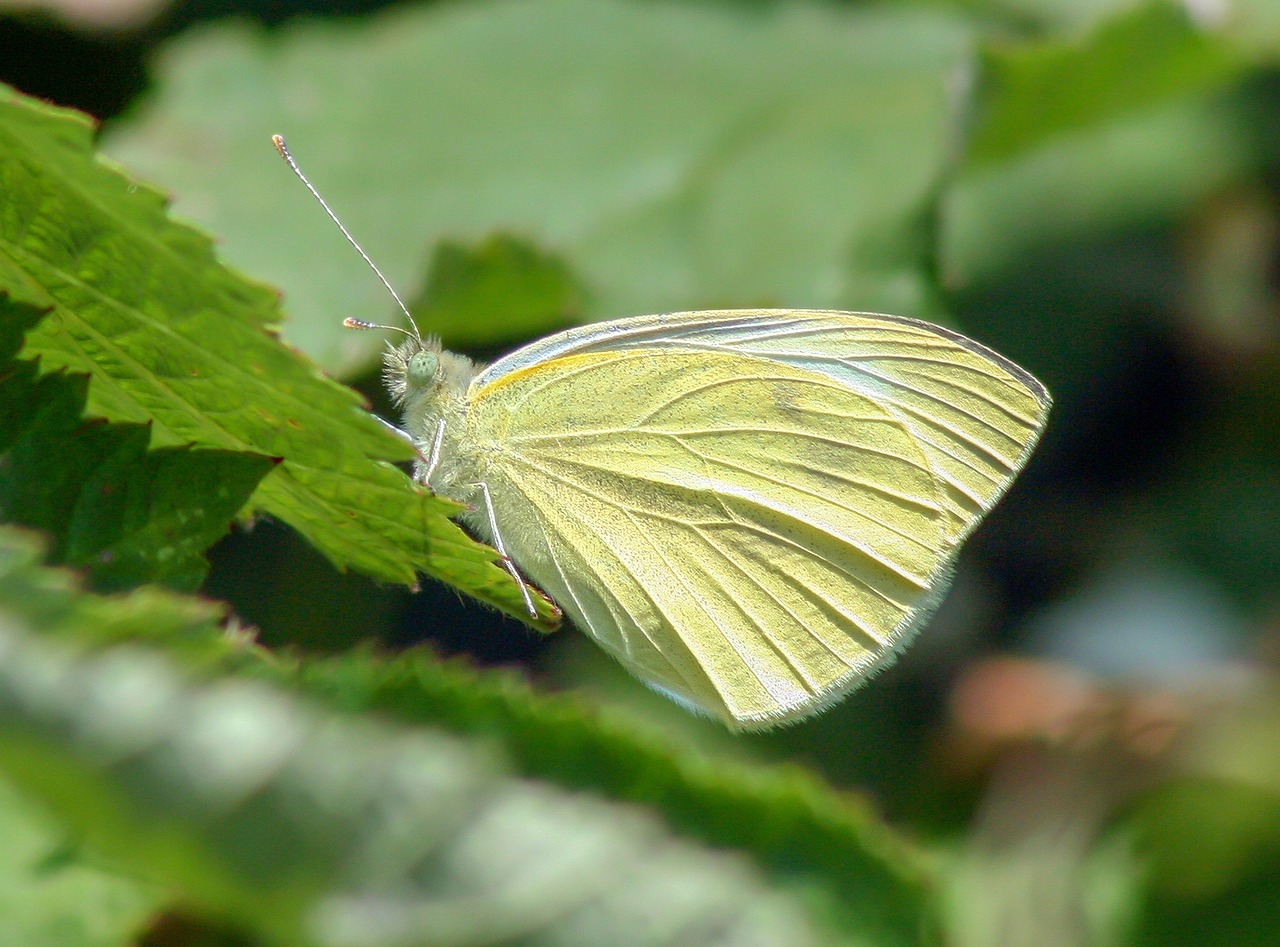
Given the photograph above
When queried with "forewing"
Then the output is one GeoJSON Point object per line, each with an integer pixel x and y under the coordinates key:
{"type": "Point", "coordinates": [974, 414]}
{"type": "Point", "coordinates": [747, 535]}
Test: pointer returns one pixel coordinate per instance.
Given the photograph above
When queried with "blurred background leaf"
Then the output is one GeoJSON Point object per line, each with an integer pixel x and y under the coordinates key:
{"type": "Point", "coordinates": [474, 293]}
{"type": "Point", "coordinates": [42, 877]}
{"type": "Point", "coordinates": [311, 826]}
{"type": "Point", "coordinates": [679, 157]}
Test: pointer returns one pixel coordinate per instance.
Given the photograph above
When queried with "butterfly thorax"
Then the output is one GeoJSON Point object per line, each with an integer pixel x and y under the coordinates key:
{"type": "Point", "coordinates": [429, 386]}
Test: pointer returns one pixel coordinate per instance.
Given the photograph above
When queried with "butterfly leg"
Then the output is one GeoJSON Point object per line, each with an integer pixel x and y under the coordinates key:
{"type": "Point", "coordinates": [397, 431]}
{"type": "Point", "coordinates": [433, 460]}
{"type": "Point", "coordinates": [500, 546]}
{"type": "Point", "coordinates": [427, 464]}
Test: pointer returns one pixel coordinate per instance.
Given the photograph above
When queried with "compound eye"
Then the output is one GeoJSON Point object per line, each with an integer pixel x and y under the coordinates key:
{"type": "Point", "coordinates": [421, 370]}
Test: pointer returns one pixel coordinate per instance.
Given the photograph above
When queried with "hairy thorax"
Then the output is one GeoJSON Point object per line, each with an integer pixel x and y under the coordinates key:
{"type": "Point", "coordinates": [431, 387]}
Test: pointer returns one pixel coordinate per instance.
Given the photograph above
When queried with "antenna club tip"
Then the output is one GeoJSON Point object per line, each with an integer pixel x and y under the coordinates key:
{"type": "Point", "coordinates": [352, 323]}
{"type": "Point", "coordinates": [278, 141]}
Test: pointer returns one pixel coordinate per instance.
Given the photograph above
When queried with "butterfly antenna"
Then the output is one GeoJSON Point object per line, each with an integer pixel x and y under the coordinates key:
{"type": "Point", "coordinates": [351, 323]}
{"type": "Point", "coordinates": [278, 141]}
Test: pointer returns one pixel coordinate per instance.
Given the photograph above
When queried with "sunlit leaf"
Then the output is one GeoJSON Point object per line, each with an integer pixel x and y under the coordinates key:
{"type": "Point", "coordinates": [172, 338]}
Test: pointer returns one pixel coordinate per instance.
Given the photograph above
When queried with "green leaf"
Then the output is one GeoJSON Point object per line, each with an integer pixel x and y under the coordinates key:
{"type": "Point", "coordinates": [49, 599]}
{"type": "Point", "coordinates": [468, 284]}
{"type": "Point", "coordinates": [51, 896]}
{"type": "Point", "coordinates": [1139, 59]}
{"type": "Point", "coordinates": [172, 338]}
{"type": "Point", "coordinates": [1109, 179]}
{"type": "Point", "coordinates": [1129, 125]}
{"type": "Point", "coordinates": [307, 827]}
{"type": "Point", "coordinates": [675, 156]}
{"type": "Point", "coordinates": [127, 514]}
{"type": "Point", "coordinates": [806, 835]}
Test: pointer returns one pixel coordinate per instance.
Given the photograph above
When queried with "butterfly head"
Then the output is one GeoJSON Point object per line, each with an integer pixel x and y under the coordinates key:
{"type": "Point", "coordinates": [424, 380]}
{"type": "Point", "coordinates": [411, 369]}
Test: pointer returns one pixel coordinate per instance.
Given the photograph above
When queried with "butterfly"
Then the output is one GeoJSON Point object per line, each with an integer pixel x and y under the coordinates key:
{"type": "Point", "coordinates": [751, 510]}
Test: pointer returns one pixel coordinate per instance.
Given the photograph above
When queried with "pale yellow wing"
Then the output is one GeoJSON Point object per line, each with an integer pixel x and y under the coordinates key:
{"type": "Point", "coordinates": [974, 414]}
{"type": "Point", "coordinates": [748, 535]}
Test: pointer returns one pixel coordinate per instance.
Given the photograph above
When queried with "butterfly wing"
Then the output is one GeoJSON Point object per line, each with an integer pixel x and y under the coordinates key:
{"type": "Point", "coordinates": [713, 501]}
{"type": "Point", "coordinates": [975, 414]}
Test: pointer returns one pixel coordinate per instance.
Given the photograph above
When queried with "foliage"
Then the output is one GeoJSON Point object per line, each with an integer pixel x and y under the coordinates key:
{"type": "Point", "coordinates": [1057, 182]}
{"type": "Point", "coordinates": [172, 338]}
